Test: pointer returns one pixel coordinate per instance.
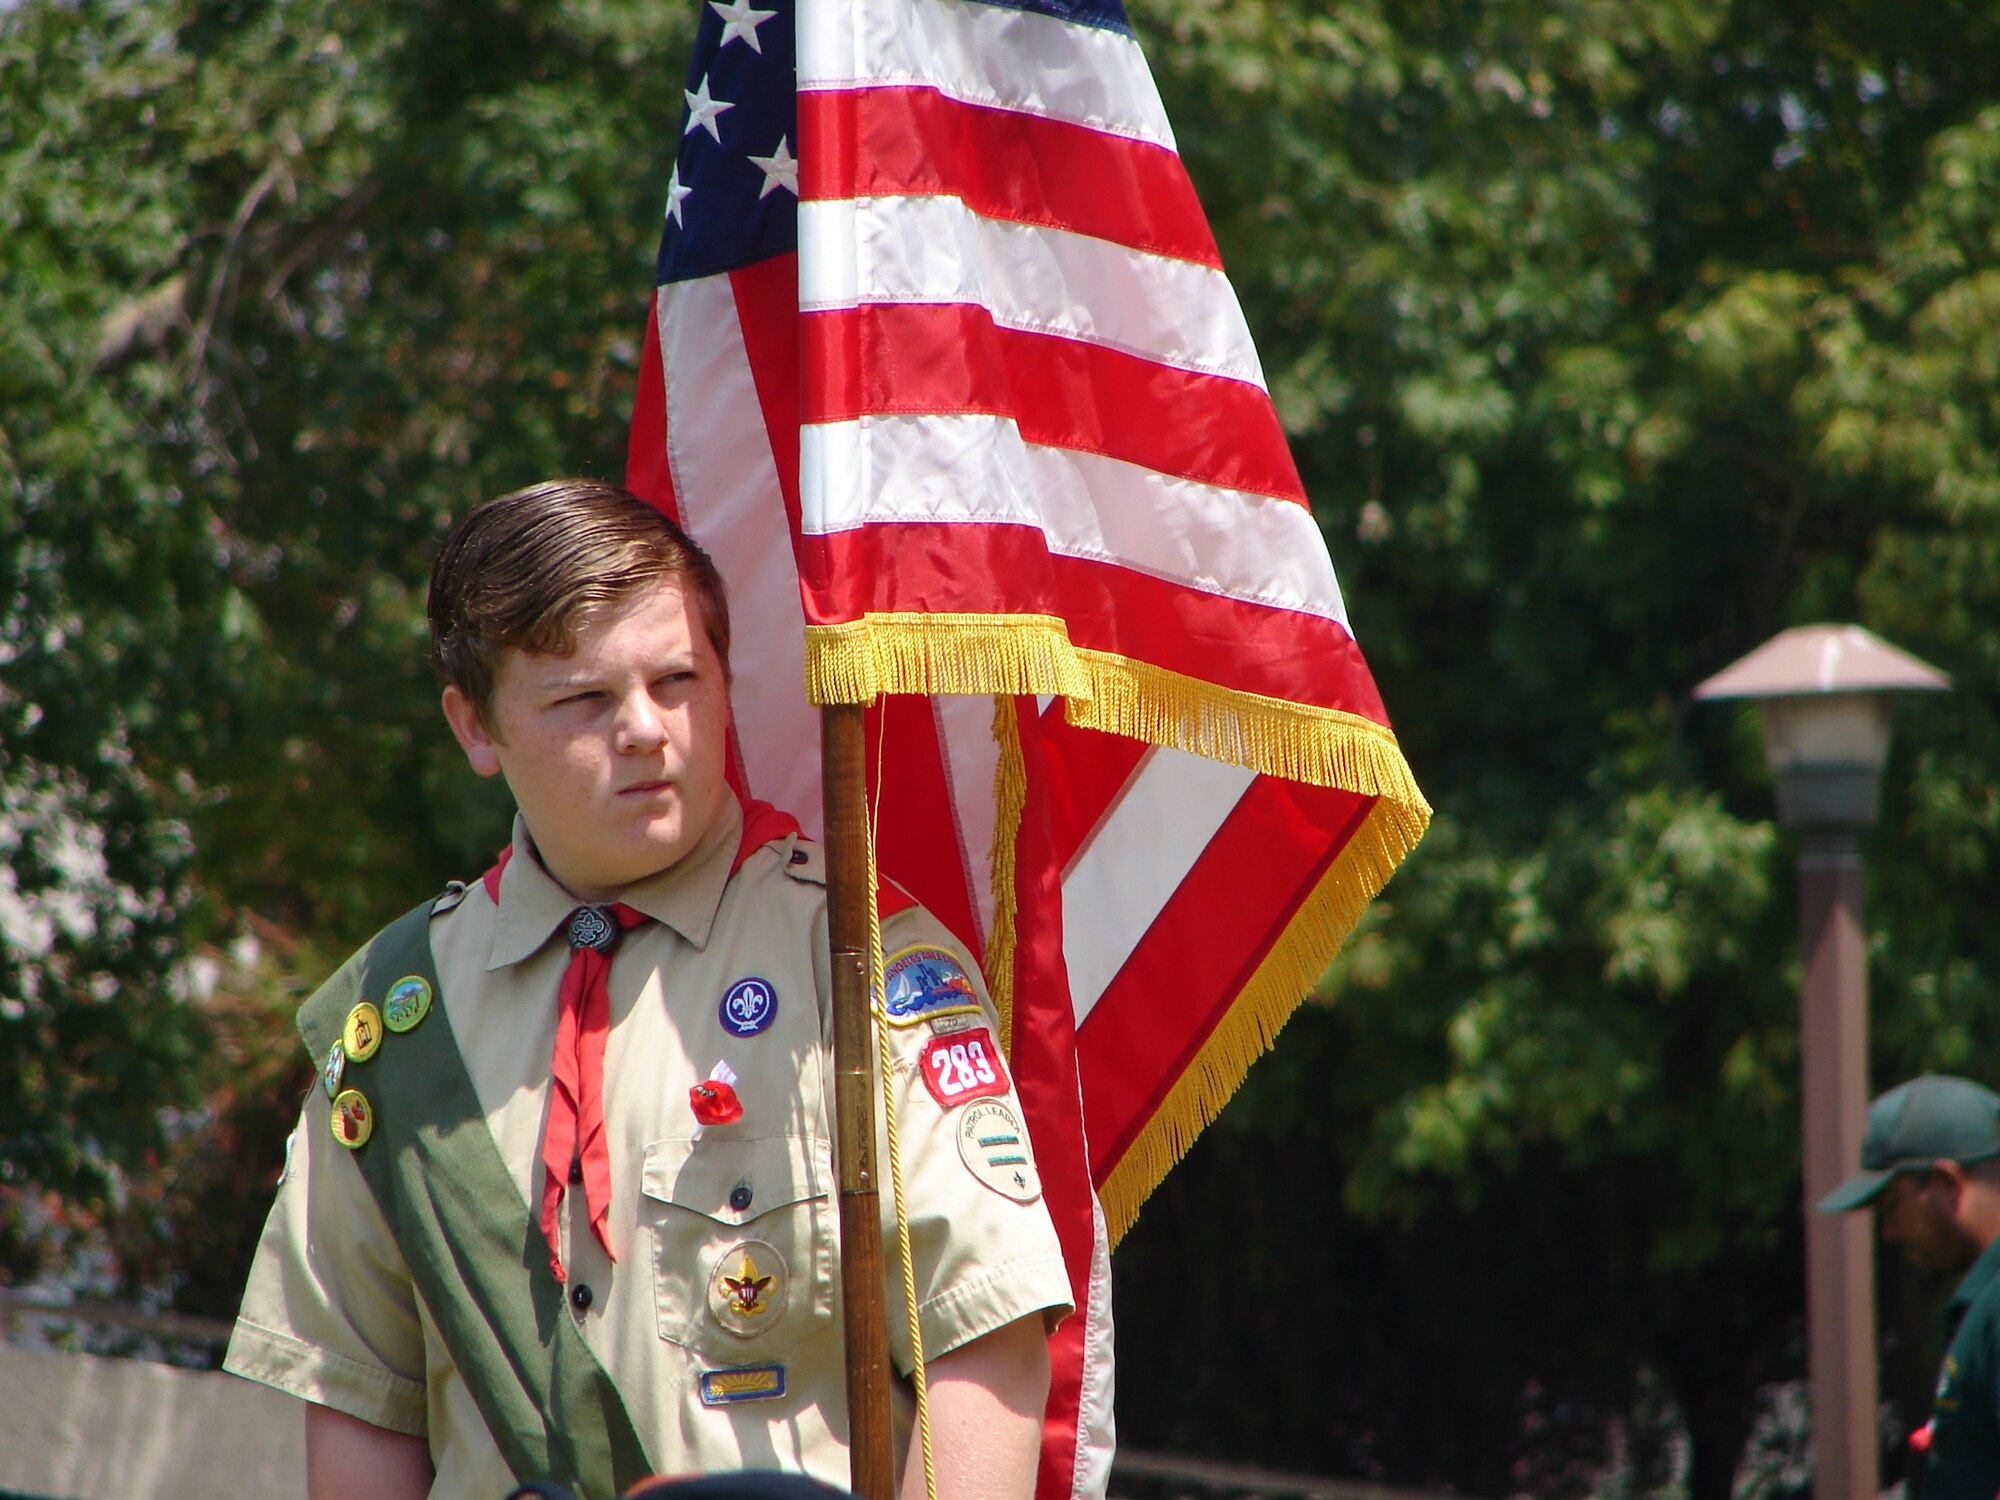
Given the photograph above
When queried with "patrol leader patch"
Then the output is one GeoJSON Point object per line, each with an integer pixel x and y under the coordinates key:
{"type": "Point", "coordinates": [749, 1007]}
{"type": "Point", "coordinates": [922, 982]}
{"type": "Point", "coordinates": [994, 1147]}
{"type": "Point", "coordinates": [753, 1383]}
{"type": "Point", "coordinates": [964, 1065]}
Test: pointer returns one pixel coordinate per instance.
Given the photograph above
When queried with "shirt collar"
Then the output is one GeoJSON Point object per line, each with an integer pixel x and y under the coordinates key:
{"type": "Point", "coordinates": [685, 896]}
{"type": "Point", "coordinates": [1978, 1278]}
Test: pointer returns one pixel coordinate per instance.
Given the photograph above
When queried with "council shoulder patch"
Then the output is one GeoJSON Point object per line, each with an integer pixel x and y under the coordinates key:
{"type": "Point", "coordinates": [994, 1147]}
{"type": "Point", "coordinates": [924, 982]}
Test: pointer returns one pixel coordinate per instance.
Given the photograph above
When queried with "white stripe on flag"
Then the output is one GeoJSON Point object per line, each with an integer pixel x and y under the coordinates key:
{"type": "Point", "coordinates": [1096, 1430]}
{"type": "Point", "coordinates": [726, 485]}
{"type": "Point", "coordinates": [1142, 849]}
{"type": "Point", "coordinates": [854, 252]}
{"type": "Point", "coordinates": [977, 469]}
{"type": "Point", "coordinates": [985, 54]}
{"type": "Point", "coordinates": [971, 758]}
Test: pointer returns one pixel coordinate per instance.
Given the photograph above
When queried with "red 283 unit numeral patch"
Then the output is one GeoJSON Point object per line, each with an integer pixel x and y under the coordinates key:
{"type": "Point", "coordinates": [964, 1065]}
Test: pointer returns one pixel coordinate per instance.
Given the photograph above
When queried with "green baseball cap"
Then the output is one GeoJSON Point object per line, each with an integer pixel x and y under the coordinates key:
{"type": "Point", "coordinates": [1933, 1118]}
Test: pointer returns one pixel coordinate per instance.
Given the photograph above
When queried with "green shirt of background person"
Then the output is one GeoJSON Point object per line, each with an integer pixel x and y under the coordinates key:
{"type": "Point", "coordinates": [1930, 1158]}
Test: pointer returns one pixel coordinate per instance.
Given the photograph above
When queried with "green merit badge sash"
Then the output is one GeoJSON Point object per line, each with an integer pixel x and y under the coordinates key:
{"type": "Point", "coordinates": [474, 1251]}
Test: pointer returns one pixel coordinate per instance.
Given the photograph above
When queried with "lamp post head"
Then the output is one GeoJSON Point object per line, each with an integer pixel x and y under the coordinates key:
{"type": "Point", "coordinates": [1826, 725]}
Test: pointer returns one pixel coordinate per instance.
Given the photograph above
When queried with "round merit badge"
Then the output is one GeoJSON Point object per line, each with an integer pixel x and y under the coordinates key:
{"type": "Point", "coordinates": [921, 983]}
{"type": "Point", "coordinates": [750, 1006]}
{"type": "Point", "coordinates": [336, 1066]}
{"type": "Point", "coordinates": [353, 1119]}
{"type": "Point", "coordinates": [748, 1288]}
{"type": "Point", "coordinates": [363, 1032]}
{"type": "Point", "coordinates": [408, 1002]}
{"type": "Point", "coordinates": [994, 1147]}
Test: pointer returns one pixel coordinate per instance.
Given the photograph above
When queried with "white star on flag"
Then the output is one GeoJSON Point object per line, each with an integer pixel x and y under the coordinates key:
{"type": "Point", "coordinates": [702, 110]}
{"type": "Point", "coordinates": [780, 168]}
{"type": "Point", "coordinates": [739, 20]}
{"type": "Point", "coordinates": [676, 191]}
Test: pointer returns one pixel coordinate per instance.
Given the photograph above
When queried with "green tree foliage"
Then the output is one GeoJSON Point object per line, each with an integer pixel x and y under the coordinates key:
{"type": "Point", "coordinates": [1612, 337]}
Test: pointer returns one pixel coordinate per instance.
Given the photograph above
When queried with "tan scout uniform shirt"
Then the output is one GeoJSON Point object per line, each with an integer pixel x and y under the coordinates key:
{"type": "Point", "coordinates": [330, 1313]}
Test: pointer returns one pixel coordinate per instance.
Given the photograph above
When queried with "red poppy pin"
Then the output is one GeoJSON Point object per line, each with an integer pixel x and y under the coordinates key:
{"type": "Point", "coordinates": [715, 1103]}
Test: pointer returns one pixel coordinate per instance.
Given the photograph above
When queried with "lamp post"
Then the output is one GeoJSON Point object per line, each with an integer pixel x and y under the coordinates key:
{"type": "Point", "coordinates": [1826, 738]}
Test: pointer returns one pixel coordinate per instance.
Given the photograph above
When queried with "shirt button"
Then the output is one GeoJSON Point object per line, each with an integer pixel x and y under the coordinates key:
{"type": "Point", "coordinates": [580, 1296]}
{"type": "Point", "coordinates": [740, 1198]}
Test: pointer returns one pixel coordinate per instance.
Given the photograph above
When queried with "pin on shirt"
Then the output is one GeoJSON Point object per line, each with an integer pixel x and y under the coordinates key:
{"type": "Point", "coordinates": [714, 1100]}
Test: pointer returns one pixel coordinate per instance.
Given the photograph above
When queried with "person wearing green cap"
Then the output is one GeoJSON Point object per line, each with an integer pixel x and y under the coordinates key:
{"type": "Point", "coordinates": [1931, 1158]}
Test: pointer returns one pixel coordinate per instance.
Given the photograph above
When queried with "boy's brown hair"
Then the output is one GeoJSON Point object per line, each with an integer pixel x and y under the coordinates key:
{"type": "Point", "coordinates": [526, 571]}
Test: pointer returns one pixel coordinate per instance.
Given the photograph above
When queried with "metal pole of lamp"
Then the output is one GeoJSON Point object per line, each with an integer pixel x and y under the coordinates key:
{"type": "Point", "coordinates": [1826, 737]}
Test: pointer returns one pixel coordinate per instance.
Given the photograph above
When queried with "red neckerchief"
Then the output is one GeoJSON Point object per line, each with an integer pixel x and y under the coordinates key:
{"type": "Point", "coordinates": [574, 1140]}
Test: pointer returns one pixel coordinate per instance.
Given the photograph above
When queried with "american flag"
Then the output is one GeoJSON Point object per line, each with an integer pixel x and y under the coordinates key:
{"type": "Point", "coordinates": [944, 371]}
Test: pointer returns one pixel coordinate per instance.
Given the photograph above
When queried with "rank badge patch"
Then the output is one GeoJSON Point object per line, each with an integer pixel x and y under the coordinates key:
{"type": "Point", "coordinates": [964, 1065]}
{"type": "Point", "coordinates": [920, 983]}
{"type": "Point", "coordinates": [748, 1287]}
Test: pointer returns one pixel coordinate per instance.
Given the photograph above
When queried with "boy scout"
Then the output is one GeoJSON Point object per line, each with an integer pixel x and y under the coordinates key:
{"type": "Point", "coordinates": [561, 1206]}
{"type": "Point", "coordinates": [1931, 1157]}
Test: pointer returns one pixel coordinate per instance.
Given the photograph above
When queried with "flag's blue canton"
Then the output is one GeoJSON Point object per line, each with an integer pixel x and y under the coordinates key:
{"type": "Point", "coordinates": [1107, 15]}
{"type": "Point", "coordinates": [726, 220]}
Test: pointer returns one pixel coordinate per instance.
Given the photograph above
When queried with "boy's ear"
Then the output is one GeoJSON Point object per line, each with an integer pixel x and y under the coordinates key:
{"type": "Point", "coordinates": [470, 731]}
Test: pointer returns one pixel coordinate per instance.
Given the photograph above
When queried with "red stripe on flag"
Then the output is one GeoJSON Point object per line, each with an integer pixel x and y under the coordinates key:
{"type": "Point", "coordinates": [767, 307]}
{"type": "Point", "coordinates": [1165, 1003]}
{"type": "Point", "coordinates": [986, 569]}
{"type": "Point", "coordinates": [917, 825]}
{"type": "Point", "coordinates": [646, 472]}
{"type": "Point", "coordinates": [1061, 392]}
{"type": "Point", "coordinates": [898, 141]}
{"type": "Point", "coordinates": [1044, 1059]}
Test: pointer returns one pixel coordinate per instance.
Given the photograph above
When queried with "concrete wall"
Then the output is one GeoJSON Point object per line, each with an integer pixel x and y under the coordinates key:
{"type": "Point", "coordinates": [75, 1427]}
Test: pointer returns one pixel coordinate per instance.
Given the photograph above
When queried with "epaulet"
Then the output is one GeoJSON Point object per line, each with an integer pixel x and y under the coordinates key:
{"type": "Point", "coordinates": [454, 892]}
{"type": "Point", "coordinates": [806, 861]}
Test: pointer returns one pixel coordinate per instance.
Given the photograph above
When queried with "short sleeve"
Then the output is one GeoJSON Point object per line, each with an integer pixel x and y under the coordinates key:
{"type": "Point", "coordinates": [329, 1313]}
{"type": "Point", "coordinates": [982, 1242]}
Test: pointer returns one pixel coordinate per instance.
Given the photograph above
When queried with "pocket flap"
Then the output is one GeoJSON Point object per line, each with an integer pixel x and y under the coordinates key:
{"type": "Point", "coordinates": [733, 1179]}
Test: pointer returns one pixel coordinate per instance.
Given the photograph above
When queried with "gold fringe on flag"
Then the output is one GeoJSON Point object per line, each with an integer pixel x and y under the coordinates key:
{"type": "Point", "coordinates": [858, 661]}
{"type": "Point", "coordinates": [1251, 1022]}
{"type": "Point", "coordinates": [1008, 655]}
{"type": "Point", "coordinates": [1010, 803]}
{"type": "Point", "coordinates": [1021, 654]}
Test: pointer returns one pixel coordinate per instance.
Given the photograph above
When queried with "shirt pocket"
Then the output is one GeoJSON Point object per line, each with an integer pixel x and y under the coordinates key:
{"type": "Point", "coordinates": [743, 1242]}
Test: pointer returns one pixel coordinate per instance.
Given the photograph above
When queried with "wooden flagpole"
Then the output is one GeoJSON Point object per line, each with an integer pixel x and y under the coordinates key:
{"type": "Point", "coordinates": [864, 1311]}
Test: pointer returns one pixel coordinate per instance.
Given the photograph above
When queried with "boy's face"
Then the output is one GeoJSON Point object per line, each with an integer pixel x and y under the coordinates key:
{"type": "Point", "coordinates": [614, 753]}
